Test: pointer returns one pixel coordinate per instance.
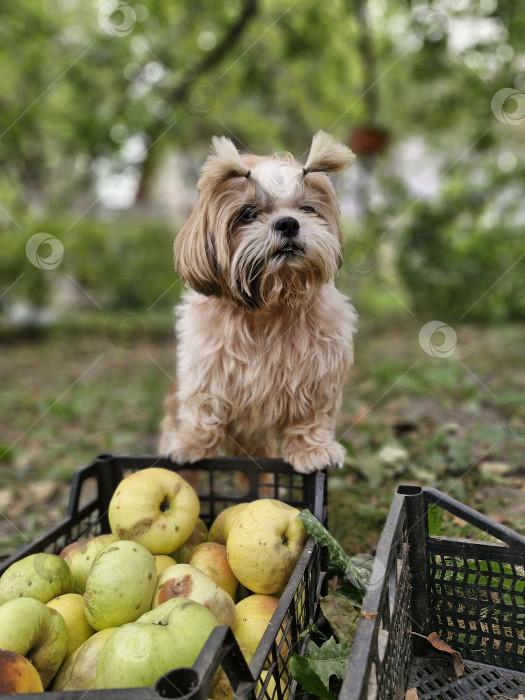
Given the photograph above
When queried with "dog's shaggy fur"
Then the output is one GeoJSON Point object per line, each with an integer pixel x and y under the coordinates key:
{"type": "Point", "coordinates": [264, 337]}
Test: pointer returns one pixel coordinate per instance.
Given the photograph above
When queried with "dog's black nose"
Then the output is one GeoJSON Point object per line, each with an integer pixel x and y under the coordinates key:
{"type": "Point", "coordinates": [288, 226]}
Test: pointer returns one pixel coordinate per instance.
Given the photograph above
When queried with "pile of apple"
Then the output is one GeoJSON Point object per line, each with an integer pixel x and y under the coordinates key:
{"type": "Point", "coordinates": [121, 609]}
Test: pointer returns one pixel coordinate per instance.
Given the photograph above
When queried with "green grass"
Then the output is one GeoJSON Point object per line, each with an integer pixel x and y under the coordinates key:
{"type": "Point", "coordinates": [71, 394]}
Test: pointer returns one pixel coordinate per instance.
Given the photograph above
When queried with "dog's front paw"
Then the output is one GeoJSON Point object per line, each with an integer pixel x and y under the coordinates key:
{"type": "Point", "coordinates": [307, 459]}
{"type": "Point", "coordinates": [183, 451]}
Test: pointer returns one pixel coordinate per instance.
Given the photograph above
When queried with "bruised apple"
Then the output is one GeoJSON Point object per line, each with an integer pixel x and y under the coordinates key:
{"type": "Point", "coordinates": [186, 581]}
{"type": "Point", "coordinates": [156, 508]}
{"type": "Point", "coordinates": [17, 674]}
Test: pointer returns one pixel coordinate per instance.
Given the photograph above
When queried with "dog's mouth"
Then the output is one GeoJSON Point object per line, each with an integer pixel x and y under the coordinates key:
{"type": "Point", "coordinates": [287, 250]}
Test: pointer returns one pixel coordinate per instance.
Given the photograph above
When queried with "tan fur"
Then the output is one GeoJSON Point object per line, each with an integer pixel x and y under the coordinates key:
{"type": "Point", "coordinates": [264, 337]}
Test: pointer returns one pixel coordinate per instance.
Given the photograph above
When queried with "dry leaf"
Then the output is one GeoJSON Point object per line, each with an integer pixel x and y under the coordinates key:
{"type": "Point", "coordinates": [367, 615]}
{"type": "Point", "coordinates": [437, 643]}
{"type": "Point", "coordinates": [411, 694]}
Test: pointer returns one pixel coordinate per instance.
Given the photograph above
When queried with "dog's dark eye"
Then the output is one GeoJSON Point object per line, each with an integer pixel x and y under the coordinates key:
{"type": "Point", "coordinates": [248, 214]}
{"type": "Point", "coordinates": [308, 209]}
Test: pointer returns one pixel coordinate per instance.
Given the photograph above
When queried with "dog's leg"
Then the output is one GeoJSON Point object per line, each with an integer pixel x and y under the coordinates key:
{"type": "Point", "coordinates": [310, 445]}
{"type": "Point", "coordinates": [191, 430]}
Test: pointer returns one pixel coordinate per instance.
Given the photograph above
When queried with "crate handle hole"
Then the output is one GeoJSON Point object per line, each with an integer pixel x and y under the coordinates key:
{"type": "Point", "coordinates": [409, 490]}
{"type": "Point", "coordinates": [178, 683]}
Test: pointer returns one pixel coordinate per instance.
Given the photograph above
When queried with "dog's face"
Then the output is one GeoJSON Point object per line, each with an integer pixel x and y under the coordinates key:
{"type": "Point", "coordinates": [265, 231]}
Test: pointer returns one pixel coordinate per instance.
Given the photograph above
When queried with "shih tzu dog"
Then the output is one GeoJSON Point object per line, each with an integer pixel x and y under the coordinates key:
{"type": "Point", "coordinates": [264, 337]}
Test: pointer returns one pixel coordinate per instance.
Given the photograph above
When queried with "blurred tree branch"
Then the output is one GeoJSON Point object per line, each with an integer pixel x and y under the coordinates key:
{"type": "Point", "coordinates": [231, 37]}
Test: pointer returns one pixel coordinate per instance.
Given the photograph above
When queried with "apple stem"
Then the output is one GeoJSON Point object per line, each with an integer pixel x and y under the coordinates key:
{"type": "Point", "coordinates": [165, 505]}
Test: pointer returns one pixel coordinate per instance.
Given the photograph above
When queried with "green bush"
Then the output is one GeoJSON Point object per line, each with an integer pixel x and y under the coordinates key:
{"type": "Point", "coordinates": [125, 264]}
{"type": "Point", "coordinates": [464, 257]}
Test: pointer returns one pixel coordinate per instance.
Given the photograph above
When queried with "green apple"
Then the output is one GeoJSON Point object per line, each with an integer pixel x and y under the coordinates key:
{"type": "Point", "coordinates": [36, 631]}
{"type": "Point", "coordinates": [17, 674]}
{"type": "Point", "coordinates": [221, 525]}
{"type": "Point", "coordinates": [156, 508]}
{"type": "Point", "coordinates": [199, 535]}
{"type": "Point", "coordinates": [264, 543]}
{"type": "Point", "coordinates": [40, 576]}
{"type": "Point", "coordinates": [167, 637]}
{"type": "Point", "coordinates": [79, 671]}
{"type": "Point", "coordinates": [120, 585]}
{"type": "Point", "coordinates": [79, 559]}
{"type": "Point", "coordinates": [253, 617]}
{"type": "Point", "coordinates": [210, 557]}
{"type": "Point", "coordinates": [71, 607]}
{"type": "Point", "coordinates": [186, 581]}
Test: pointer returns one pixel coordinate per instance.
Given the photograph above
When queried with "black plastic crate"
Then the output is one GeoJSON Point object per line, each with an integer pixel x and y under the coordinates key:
{"type": "Point", "coordinates": [219, 482]}
{"type": "Point", "coordinates": [471, 593]}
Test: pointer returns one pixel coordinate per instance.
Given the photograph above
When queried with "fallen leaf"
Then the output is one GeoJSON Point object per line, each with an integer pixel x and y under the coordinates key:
{"type": "Point", "coordinates": [342, 616]}
{"type": "Point", "coordinates": [437, 643]}
{"type": "Point", "coordinates": [367, 615]}
{"type": "Point", "coordinates": [411, 694]}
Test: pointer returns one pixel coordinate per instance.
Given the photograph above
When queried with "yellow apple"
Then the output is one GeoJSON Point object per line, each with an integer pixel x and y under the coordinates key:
{"type": "Point", "coordinates": [271, 687]}
{"type": "Point", "coordinates": [156, 508]}
{"type": "Point", "coordinates": [221, 688]}
{"type": "Point", "coordinates": [17, 674]}
{"type": "Point", "coordinates": [71, 607]}
{"type": "Point", "coordinates": [79, 559]}
{"type": "Point", "coordinates": [210, 557]}
{"type": "Point", "coordinates": [264, 543]}
{"type": "Point", "coordinates": [199, 535]}
{"type": "Point", "coordinates": [162, 561]}
{"type": "Point", "coordinates": [221, 525]}
{"type": "Point", "coordinates": [253, 616]}
{"type": "Point", "coordinates": [186, 581]}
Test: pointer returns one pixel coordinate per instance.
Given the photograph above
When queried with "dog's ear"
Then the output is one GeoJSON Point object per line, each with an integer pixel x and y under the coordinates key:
{"type": "Point", "coordinates": [327, 155]}
{"type": "Point", "coordinates": [195, 254]}
{"type": "Point", "coordinates": [223, 162]}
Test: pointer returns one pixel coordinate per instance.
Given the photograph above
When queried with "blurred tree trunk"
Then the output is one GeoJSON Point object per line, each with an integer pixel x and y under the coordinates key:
{"type": "Point", "coordinates": [182, 92]}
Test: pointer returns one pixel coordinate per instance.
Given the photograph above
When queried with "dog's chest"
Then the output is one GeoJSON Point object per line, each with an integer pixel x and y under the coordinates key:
{"type": "Point", "coordinates": [271, 364]}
